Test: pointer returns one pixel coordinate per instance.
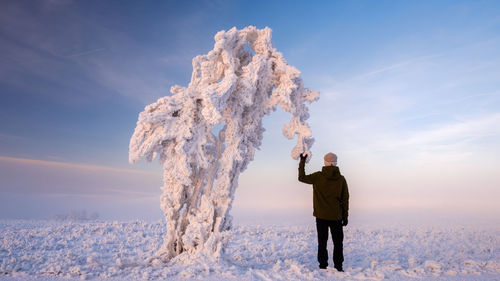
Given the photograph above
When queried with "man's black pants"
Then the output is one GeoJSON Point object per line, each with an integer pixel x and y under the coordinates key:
{"type": "Point", "coordinates": [337, 237]}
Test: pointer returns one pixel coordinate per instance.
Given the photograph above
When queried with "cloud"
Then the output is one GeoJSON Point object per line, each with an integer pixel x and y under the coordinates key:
{"type": "Point", "coordinates": [10, 137]}
{"type": "Point", "coordinates": [391, 67]}
{"type": "Point", "coordinates": [77, 166]}
{"type": "Point", "coordinates": [412, 94]}
{"type": "Point", "coordinates": [32, 188]}
{"type": "Point", "coordinates": [84, 53]}
{"type": "Point", "coordinates": [418, 133]}
{"type": "Point", "coordinates": [467, 130]}
{"type": "Point", "coordinates": [73, 58]}
{"type": "Point", "coordinates": [459, 136]}
{"type": "Point", "coordinates": [31, 176]}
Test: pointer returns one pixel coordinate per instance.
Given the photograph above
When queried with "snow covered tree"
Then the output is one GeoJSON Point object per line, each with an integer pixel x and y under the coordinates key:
{"type": "Point", "coordinates": [205, 135]}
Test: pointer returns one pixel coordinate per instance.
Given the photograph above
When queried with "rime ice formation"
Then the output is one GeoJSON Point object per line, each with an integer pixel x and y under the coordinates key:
{"type": "Point", "coordinates": [232, 87]}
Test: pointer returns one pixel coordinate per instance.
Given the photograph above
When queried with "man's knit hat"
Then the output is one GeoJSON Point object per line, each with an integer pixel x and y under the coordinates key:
{"type": "Point", "coordinates": [331, 158]}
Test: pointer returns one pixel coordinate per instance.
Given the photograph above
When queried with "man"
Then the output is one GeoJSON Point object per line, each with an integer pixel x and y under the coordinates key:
{"type": "Point", "coordinates": [331, 206]}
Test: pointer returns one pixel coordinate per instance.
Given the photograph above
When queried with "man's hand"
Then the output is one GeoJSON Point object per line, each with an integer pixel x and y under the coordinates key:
{"type": "Point", "coordinates": [344, 222]}
{"type": "Point", "coordinates": [303, 157]}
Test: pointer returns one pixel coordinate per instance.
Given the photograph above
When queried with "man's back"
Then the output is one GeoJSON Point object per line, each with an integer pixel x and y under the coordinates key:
{"type": "Point", "coordinates": [330, 192]}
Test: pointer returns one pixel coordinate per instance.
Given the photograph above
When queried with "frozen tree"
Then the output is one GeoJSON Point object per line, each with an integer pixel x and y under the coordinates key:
{"type": "Point", "coordinates": [205, 135]}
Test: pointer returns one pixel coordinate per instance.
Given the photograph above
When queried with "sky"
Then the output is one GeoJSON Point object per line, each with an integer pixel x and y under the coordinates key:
{"type": "Point", "coordinates": [409, 101]}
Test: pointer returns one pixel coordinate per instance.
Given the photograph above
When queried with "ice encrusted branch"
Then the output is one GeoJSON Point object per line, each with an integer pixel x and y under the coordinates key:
{"type": "Point", "coordinates": [232, 87]}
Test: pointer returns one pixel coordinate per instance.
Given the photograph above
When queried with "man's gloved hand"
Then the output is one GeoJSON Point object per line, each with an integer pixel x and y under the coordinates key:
{"type": "Point", "coordinates": [303, 157]}
{"type": "Point", "coordinates": [344, 222]}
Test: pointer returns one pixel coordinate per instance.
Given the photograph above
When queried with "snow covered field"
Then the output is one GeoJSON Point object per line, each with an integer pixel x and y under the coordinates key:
{"type": "Point", "coordinates": [51, 250]}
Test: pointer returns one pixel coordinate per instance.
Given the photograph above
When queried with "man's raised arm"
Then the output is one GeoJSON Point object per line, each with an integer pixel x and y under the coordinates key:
{"type": "Point", "coordinates": [302, 173]}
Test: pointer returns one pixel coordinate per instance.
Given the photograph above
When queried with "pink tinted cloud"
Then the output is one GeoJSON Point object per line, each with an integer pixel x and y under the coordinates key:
{"type": "Point", "coordinates": [32, 176]}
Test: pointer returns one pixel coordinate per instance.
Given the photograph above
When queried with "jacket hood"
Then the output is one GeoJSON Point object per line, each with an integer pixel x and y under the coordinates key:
{"type": "Point", "coordinates": [331, 172]}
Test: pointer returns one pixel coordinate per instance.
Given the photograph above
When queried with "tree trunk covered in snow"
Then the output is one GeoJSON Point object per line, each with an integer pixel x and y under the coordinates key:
{"type": "Point", "coordinates": [232, 87]}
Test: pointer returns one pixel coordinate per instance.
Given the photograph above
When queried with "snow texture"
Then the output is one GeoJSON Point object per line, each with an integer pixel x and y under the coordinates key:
{"type": "Point", "coordinates": [232, 88]}
{"type": "Point", "coordinates": [55, 250]}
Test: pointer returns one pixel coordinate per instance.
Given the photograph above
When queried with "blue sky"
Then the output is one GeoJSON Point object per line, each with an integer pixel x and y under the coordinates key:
{"type": "Point", "coordinates": [410, 101]}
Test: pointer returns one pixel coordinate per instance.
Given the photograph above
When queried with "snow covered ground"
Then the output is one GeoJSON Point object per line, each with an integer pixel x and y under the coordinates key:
{"type": "Point", "coordinates": [51, 250]}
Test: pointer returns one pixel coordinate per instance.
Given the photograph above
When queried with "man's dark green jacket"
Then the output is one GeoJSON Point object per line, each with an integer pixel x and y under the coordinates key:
{"type": "Point", "coordinates": [330, 192]}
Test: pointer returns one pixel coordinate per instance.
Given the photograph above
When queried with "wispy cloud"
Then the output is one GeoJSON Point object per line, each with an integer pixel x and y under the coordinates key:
{"type": "Point", "coordinates": [11, 137]}
{"type": "Point", "coordinates": [78, 166]}
{"type": "Point", "coordinates": [386, 68]}
{"type": "Point", "coordinates": [440, 107]}
{"type": "Point", "coordinates": [464, 140]}
{"type": "Point", "coordinates": [37, 188]}
{"type": "Point", "coordinates": [468, 129]}
{"type": "Point", "coordinates": [106, 193]}
{"type": "Point", "coordinates": [60, 179]}
{"type": "Point", "coordinates": [79, 54]}
{"type": "Point", "coordinates": [73, 65]}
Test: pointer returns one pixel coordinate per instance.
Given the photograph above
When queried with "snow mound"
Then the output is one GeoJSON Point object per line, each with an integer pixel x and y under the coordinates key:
{"type": "Point", "coordinates": [42, 250]}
